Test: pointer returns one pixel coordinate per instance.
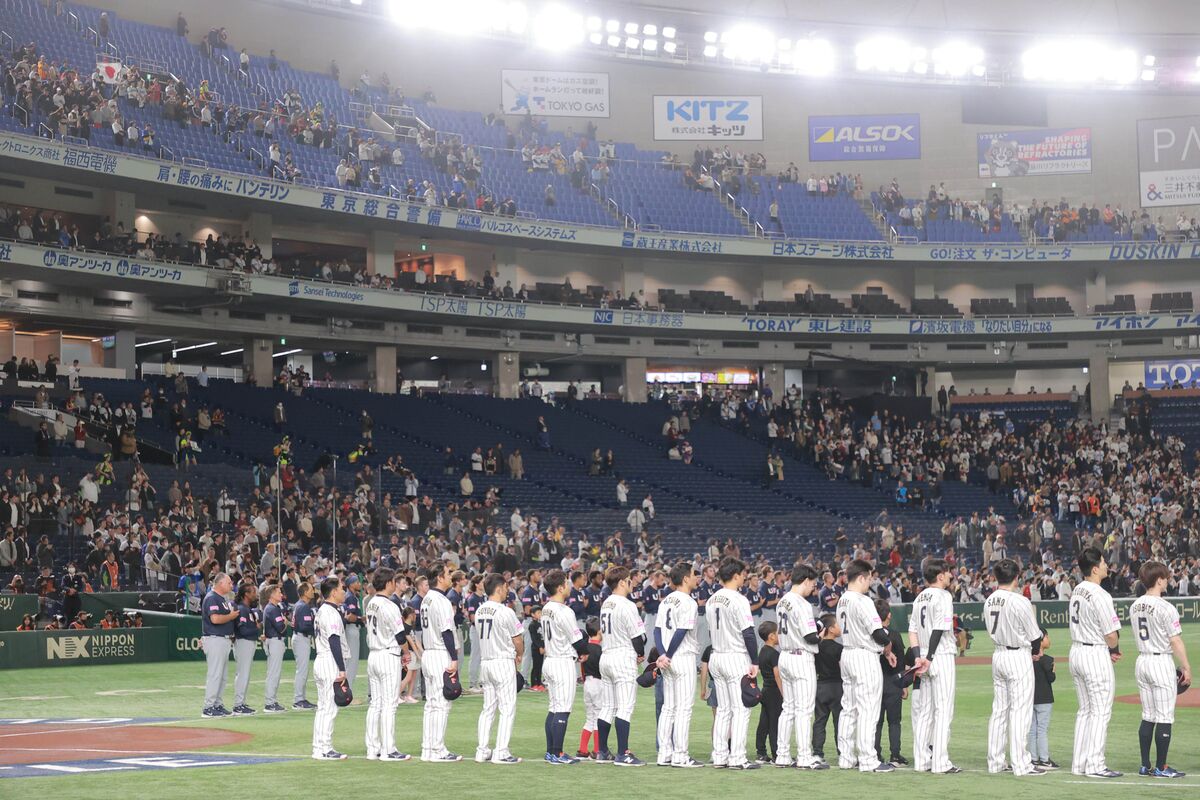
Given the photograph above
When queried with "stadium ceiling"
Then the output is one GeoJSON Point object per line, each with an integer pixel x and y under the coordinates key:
{"type": "Point", "coordinates": [1106, 44]}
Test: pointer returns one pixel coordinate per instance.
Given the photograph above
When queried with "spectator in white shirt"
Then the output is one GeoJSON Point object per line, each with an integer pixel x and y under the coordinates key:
{"type": "Point", "coordinates": [341, 173]}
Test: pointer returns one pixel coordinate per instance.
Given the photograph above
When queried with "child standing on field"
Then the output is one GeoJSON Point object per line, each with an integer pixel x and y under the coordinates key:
{"type": "Point", "coordinates": [1043, 704]}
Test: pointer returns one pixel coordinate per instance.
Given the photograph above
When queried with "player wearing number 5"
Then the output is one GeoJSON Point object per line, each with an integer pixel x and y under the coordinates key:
{"type": "Point", "coordinates": [1095, 647]}
{"type": "Point", "coordinates": [564, 644]}
{"type": "Point", "coordinates": [931, 631]}
{"type": "Point", "coordinates": [1158, 634]}
{"type": "Point", "coordinates": [675, 638]}
{"type": "Point", "coordinates": [501, 644]}
{"type": "Point", "coordinates": [1013, 627]}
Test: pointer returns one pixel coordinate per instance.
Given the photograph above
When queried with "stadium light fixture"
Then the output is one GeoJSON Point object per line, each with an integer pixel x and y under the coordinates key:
{"type": "Point", "coordinates": [434, 358]}
{"type": "Point", "coordinates": [596, 37]}
{"type": "Point", "coordinates": [233, 352]}
{"type": "Point", "coordinates": [669, 47]}
{"type": "Point", "coordinates": [886, 54]}
{"type": "Point", "coordinates": [194, 347]}
{"type": "Point", "coordinates": [710, 37]}
{"type": "Point", "coordinates": [956, 59]}
{"type": "Point", "coordinates": [557, 28]}
{"type": "Point", "coordinates": [748, 43]}
{"type": "Point", "coordinates": [151, 344]}
{"type": "Point", "coordinates": [814, 57]}
{"type": "Point", "coordinates": [649, 29]}
{"type": "Point", "coordinates": [287, 353]}
{"type": "Point", "coordinates": [594, 23]}
{"type": "Point", "coordinates": [650, 45]}
{"type": "Point", "coordinates": [1079, 61]}
{"type": "Point", "coordinates": [1149, 74]}
{"type": "Point", "coordinates": [668, 32]}
{"type": "Point", "coordinates": [612, 26]}
{"type": "Point", "coordinates": [710, 51]}
{"type": "Point", "coordinates": [631, 28]}
{"type": "Point", "coordinates": [632, 43]}
{"type": "Point", "coordinates": [1149, 61]}
{"type": "Point", "coordinates": [614, 41]}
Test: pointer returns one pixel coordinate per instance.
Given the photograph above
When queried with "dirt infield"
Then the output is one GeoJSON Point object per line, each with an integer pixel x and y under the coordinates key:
{"type": "Point", "coordinates": [1189, 699]}
{"type": "Point", "coordinates": [50, 742]}
{"type": "Point", "coordinates": [973, 661]}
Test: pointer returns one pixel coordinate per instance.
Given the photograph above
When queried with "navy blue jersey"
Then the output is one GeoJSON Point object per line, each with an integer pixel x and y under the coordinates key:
{"type": "Point", "coordinates": [351, 606]}
{"type": "Point", "coordinates": [771, 593]}
{"type": "Point", "coordinates": [651, 597]}
{"type": "Point", "coordinates": [753, 595]}
{"type": "Point", "coordinates": [246, 625]}
{"type": "Point", "coordinates": [274, 621]}
{"type": "Point", "coordinates": [472, 604]}
{"type": "Point", "coordinates": [594, 600]}
{"type": "Point", "coordinates": [303, 618]}
{"type": "Point", "coordinates": [531, 596]}
{"type": "Point", "coordinates": [705, 591]}
{"type": "Point", "coordinates": [215, 604]}
{"type": "Point", "coordinates": [456, 600]}
{"type": "Point", "coordinates": [577, 602]}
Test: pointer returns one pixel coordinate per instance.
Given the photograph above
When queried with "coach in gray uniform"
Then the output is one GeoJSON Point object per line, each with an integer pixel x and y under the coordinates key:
{"type": "Point", "coordinates": [245, 644]}
{"type": "Point", "coordinates": [352, 614]}
{"type": "Point", "coordinates": [274, 629]}
{"type": "Point", "coordinates": [216, 622]}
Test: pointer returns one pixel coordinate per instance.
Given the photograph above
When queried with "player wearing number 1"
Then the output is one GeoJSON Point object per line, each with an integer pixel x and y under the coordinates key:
{"type": "Point", "coordinates": [1095, 647]}
{"type": "Point", "coordinates": [735, 655]}
{"type": "Point", "coordinates": [1158, 635]}
{"type": "Point", "coordinates": [564, 644]}
{"type": "Point", "coordinates": [931, 631]}
{"type": "Point", "coordinates": [501, 643]}
{"type": "Point", "coordinates": [675, 638]}
{"type": "Point", "coordinates": [1013, 627]}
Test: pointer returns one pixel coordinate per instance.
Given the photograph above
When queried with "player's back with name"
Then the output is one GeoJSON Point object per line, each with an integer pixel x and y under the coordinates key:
{"type": "Point", "coordinates": [1091, 614]}
{"type": "Point", "coordinates": [497, 625]}
{"type": "Point", "coordinates": [1154, 622]}
{"type": "Point", "coordinates": [728, 615]}
{"type": "Point", "coordinates": [560, 630]}
{"type": "Point", "coordinates": [1009, 619]}
{"type": "Point", "coordinates": [858, 618]}
{"type": "Point", "coordinates": [622, 623]}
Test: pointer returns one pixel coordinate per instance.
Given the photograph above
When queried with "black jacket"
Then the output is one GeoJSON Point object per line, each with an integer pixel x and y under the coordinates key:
{"type": "Point", "coordinates": [1043, 677]}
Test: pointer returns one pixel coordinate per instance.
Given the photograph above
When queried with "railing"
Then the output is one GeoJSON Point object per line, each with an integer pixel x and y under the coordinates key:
{"type": "Point", "coordinates": [277, 173]}
{"type": "Point", "coordinates": [166, 153]}
{"type": "Point", "coordinates": [111, 48]}
{"type": "Point", "coordinates": [92, 35]}
{"type": "Point", "coordinates": [258, 158]}
{"type": "Point", "coordinates": [759, 230]}
{"type": "Point", "coordinates": [441, 137]}
{"type": "Point", "coordinates": [6, 40]}
{"type": "Point", "coordinates": [261, 90]}
{"type": "Point", "coordinates": [196, 162]}
{"type": "Point", "coordinates": [630, 223]}
{"type": "Point", "coordinates": [243, 76]}
{"type": "Point", "coordinates": [44, 131]}
{"type": "Point", "coordinates": [24, 113]}
{"type": "Point", "coordinates": [73, 21]}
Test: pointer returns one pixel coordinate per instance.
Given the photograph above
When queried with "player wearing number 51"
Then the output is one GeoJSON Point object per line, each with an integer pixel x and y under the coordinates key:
{"type": "Point", "coordinates": [1158, 634]}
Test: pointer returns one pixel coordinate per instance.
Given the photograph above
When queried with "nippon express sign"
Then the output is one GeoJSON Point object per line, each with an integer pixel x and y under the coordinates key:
{"type": "Point", "coordinates": [868, 137]}
{"type": "Point", "coordinates": [710, 118]}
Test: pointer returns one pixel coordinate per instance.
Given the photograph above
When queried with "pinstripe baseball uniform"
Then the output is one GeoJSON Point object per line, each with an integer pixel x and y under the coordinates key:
{"type": "Point", "coordinates": [1092, 616]}
{"type": "Point", "coordinates": [728, 615]}
{"type": "Point", "coordinates": [560, 630]}
{"type": "Point", "coordinates": [328, 623]}
{"type": "Point", "coordinates": [1155, 622]}
{"type": "Point", "coordinates": [622, 623]}
{"type": "Point", "coordinates": [862, 682]}
{"type": "Point", "coordinates": [384, 667]}
{"type": "Point", "coordinates": [497, 625]}
{"type": "Point", "coordinates": [678, 612]}
{"type": "Point", "coordinates": [1013, 626]}
{"type": "Point", "coordinates": [798, 670]}
{"type": "Point", "coordinates": [437, 616]}
{"type": "Point", "coordinates": [933, 702]}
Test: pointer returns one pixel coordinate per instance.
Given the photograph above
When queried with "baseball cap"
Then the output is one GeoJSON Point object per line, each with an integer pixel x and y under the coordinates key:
{"type": "Point", "coordinates": [647, 678]}
{"type": "Point", "coordinates": [751, 694]}
{"type": "Point", "coordinates": [451, 686]}
{"type": "Point", "coordinates": [520, 681]}
{"type": "Point", "coordinates": [1180, 686]}
{"type": "Point", "coordinates": [342, 696]}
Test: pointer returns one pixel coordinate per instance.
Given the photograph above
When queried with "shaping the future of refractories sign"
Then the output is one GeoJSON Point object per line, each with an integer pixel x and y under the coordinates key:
{"type": "Point", "coordinates": [1169, 161]}
{"type": "Point", "coordinates": [864, 137]}
{"type": "Point", "coordinates": [1047, 151]}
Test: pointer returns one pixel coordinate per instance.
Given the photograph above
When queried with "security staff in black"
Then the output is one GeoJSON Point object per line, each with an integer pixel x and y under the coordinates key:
{"type": "Point", "coordinates": [245, 644]}
{"type": "Point", "coordinates": [893, 695]}
{"type": "Point", "coordinates": [217, 617]}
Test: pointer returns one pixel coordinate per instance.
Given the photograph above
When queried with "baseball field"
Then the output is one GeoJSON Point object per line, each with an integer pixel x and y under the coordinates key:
{"type": "Point", "coordinates": [136, 730]}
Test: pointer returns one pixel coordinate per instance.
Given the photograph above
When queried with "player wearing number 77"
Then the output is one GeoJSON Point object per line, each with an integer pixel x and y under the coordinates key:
{"type": "Point", "coordinates": [1095, 647]}
{"type": "Point", "coordinates": [931, 631]}
{"type": "Point", "coordinates": [1013, 627]}
{"type": "Point", "coordinates": [1158, 635]}
{"type": "Point", "coordinates": [501, 643]}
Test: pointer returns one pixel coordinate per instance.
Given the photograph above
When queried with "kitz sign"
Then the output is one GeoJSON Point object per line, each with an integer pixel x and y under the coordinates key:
{"type": "Point", "coordinates": [708, 118]}
{"type": "Point", "coordinates": [864, 137]}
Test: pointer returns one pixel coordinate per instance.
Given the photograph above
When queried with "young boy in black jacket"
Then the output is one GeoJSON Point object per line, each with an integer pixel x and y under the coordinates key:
{"type": "Point", "coordinates": [829, 684]}
{"type": "Point", "coordinates": [893, 695]}
{"type": "Point", "coordinates": [771, 705]}
{"type": "Point", "coordinates": [1043, 705]}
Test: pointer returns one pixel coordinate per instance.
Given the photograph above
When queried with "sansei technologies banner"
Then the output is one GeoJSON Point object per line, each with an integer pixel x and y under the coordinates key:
{"type": "Point", "coordinates": [864, 137]}
{"type": "Point", "coordinates": [547, 93]}
{"type": "Point", "coordinates": [1048, 151]}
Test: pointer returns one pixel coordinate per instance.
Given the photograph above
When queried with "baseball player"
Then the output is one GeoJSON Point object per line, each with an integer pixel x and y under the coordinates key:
{"type": "Point", "coordinates": [931, 631]}
{"type": "Point", "coordinates": [471, 604]}
{"type": "Point", "coordinates": [675, 637]}
{"type": "Point", "coordinates": [386, 639]}
{"type": "Point", "coordinates": [1158, 634]}
{"type": "Point", "coordinates": [593, 690]}
{"type": "Point", "coordinates": [217, 621]}
{"type": "Point", "coordinates": [329, 667]}
{"type": "Point", "coordinates": [1011, 623]}
{"type": "Point", "coordinates": [735, 654]}
{"type": "Point", "coordinates": [623, 645]}
{"type": "Point", "coordinates": [274, 630]}
{"type": "Point", "coordinates": [564, 643]}
{"type": "Point", "coordinates": [440, 657]}
{"type": "Point", "coordinates": [352, 614]}
{"type": "Point", "coordinates": [1095, 647]}
{"type": "Point", "coordinates": [245, 643]}
{"type": "Point", "coordinates": [303, 621]}
{"type": "Point", "coordinates": [532, 595]}
{"type": "Point", "coordinates": [864, 638]}
{"type": "Point", "coordinates": [501, 644]}
{"type": "Point", "coordinates": [798, 641]}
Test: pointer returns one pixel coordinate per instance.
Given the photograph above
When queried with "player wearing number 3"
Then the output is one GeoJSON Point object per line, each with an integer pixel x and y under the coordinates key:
{"type": "Point", "coordinates": [931, 631]}
{"type": "Point", "coordinates": [1013, 627]}
{"type": "Point", "coordinates": [1095, 647]}
{"type": "Point", "coordinates": [1158, 634]}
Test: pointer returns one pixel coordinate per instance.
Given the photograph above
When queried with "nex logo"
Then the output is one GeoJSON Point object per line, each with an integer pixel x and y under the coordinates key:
{"type": "Point", "coordinates": [870, 133]}
{"type": "Point", "coordinates": [67, 647]}
{"type": "Point", "coordinates": [708, 110]}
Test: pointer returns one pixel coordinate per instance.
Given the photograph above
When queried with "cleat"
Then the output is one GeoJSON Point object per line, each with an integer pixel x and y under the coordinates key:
{"type": "Point", "coordinates": [1048, 765]}
{"type": "Point", "coordinates": [604, 757]}
{"type": "Point", "coordinates": [303, 705]}
{"type": "Point", "coordinates": [582, 756]}
{"type": "Point", "coordinates": [243, 711]}
{"type": "Point", "coordinates": [819, 765]}
{"type": "Point", "coordinates": [784, 764]}
{"type": "Point", "coordinates": [331, 755]}
{"type": "Point", "coordinates": [222, 711]}
{"type": "Point", "coordinates": [274, 708]}
{"type": "Point", "coordinates": [1146, 772]}
{"type": "Point", "coordinates": [210, 712]}
{"type": "Point", "coordinates": [898, 760]}
{"type": "Point", "coordinates": [720, 766]}
{"type": "Point", "coordinates": [1108, 773]}
{"type": "Point", "coordinates": [956, 770]}
{"type": "Point", "coordinates": [483, 756]}
{"type": "Point", "coordinates": [509, 759]}
{"type": "Point", "coordinates": [372, 756]}
{"type": "Point", "coordinates": [628, 759]}
{"type": "Point", "coordinates": [748, 765]}
{"type": "Point", "coordinates": [1168, 772]}
{"type": "Point", "coordinates": [884, 767]}
{"type": "Point", "coordinates": [762, 758]}
{"type": "Point", "coordinates": [1034, 771]}
{"type": "Point", "coordinates": [691, 763]}
{"type": "Point", "coordinates": [395, 755]}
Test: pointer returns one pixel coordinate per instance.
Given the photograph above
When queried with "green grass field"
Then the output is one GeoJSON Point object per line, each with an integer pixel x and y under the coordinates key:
{"type": "Point", "coordinates": [174, 690]}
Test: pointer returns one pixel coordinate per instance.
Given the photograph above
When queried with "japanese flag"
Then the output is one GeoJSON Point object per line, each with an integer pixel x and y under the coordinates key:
{"type": "Point", "coordinates": [110, 71]}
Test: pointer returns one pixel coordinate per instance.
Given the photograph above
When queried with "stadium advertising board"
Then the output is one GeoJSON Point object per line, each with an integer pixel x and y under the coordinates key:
{"type": "Point", "coordinates": [547, 93]}
{"type": "Point", "coordinates": [15, 606]}
{"type": "Point", "coordinates": [430, 220]}
{"type": "Point", "coordinates": [1169, 161]}
{"type": "Point", "coordinates": [1165, 374]}
{"type": "Point", "coordinates": [864, 137]}
{"type": "Point", "coordinates": [708, 118]}
{"type": "Point", "coordinates": [1052, 151]}
{"type": "Point", "coordinates": [23, 649]}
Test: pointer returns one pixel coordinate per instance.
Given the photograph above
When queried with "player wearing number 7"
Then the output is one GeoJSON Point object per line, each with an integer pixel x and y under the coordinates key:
{"type": "Point", "coordinates": [931, 631]}
{"type": "Point", "coordinates": [1158, 635]}
{"type": "Point", "coordinates": [1013, 627]}
{"type": "Point", "coordinates": [1095, 647]}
